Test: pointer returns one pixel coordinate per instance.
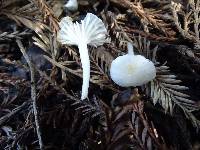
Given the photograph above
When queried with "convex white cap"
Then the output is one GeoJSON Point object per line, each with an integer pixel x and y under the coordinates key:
{"type": "Point", "coordinates": [132, 70]}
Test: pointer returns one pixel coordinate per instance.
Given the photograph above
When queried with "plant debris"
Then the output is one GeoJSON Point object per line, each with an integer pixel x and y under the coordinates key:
{"type": "Point", "coordinates": [41, 79]}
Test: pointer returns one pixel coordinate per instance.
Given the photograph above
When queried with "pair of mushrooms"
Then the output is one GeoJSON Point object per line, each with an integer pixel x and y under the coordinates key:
{"type": "Point", "coordinates": [127, 70]}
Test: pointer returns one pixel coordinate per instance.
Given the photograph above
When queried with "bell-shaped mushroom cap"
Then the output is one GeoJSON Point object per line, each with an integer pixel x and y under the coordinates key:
{"type": "Point", "coordinates": [91, 30]}
{"type": "Point", "coordinates": [132, 70]}
{"type": "Point", "coordinates": [94, 30]}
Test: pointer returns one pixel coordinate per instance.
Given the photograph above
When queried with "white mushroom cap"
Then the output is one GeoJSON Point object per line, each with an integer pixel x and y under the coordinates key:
{"type": "Point", "coordinates": [91, 31]}
{"type": "Point", "coordinates": [72, 5]}
{"type": "Point", "coordinates": [132, 70]}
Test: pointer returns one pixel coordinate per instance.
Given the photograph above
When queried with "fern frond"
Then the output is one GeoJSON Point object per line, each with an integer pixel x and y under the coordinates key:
{"type": "Point", "coordinates": [26, 14]}
{"type": "Point", "coordinates": [13, 35]}
{"type": "Point", "coordinates": [166, 90]}
{"type": "Point", "coordinates": [150, 20]}
{"type": "Point", "coordinates": [29, 15]}
{"type": "Point", "coordinates": [47, 14]}
{"type": "Point", "coordinates": [10, 88]}
{"type": "Point", "coordinates": [92, 108]}
{"type": "Point", "coordinates": [190, 17]}
{"type": "Point", "coordinates": [143, 47]}
{"type": "Point", "coordinates": [102, 58]}
{"type": "Point", "coordinates": [24, 20]}
{"type": "Point", "coordinates": [117, 30]}
{"type": "Point", "coordinates": [140, 133]}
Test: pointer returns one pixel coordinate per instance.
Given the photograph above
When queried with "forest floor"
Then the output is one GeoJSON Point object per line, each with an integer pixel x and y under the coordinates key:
{"type": "Point", "coordinates": [41, 79]}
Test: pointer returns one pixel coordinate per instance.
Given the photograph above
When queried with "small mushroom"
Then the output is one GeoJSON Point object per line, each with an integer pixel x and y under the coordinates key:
{"type": "Point", "coordinates": [72, 5]}
{"type": "Point", "coordinates": [91, 31]}
{"type": "Point", "coordinates": [132, 70]}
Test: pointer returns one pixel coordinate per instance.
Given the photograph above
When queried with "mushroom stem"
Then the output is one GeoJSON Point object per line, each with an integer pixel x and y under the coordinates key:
{"type": "Point", "coordinates": [83, 50]}
{"type": "Point", "coordinates": [130, 48]}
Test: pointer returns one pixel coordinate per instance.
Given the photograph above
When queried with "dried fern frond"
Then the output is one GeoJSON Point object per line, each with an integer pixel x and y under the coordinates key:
{"type": "Point", "coordinates": [10, 88]}
{"type": "Point", "coordinates": [167, 87]}
{"type": "Point", "coordinates": [20, 19]}
{"type": "Point", "coordinates": [143, 47]}
{"type": "Point", "coordinates": [90, 108]}
{"type": "Point", "coordinates": [29, 15]}
{"type": "Point", "coordinates": [166, 91]}
{"type": "Point", "coordinates": [121, 36]}
{"type": "Point", "coordinates": [47, 14]}
{"type": "Point", "coordinates": [141, 134]}
{"type": "Point", "coordinates": [144, 136]}
{"type": "Point", "coordinates": [150, 20]}
{"type": "Point", "coordinates": [189, 28]}
{"type": "Point", "coordinates": [95, 78]}
{"type": "Point", "coordinates": [102, 58]}
{"type": "Point", "coordinates": [47, 42]}
{"type": "Point", "coordinates": [13, 35]}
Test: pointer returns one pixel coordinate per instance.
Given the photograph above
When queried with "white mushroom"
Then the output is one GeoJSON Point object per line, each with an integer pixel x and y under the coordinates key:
{"type": "Point", "coordinates": [72, 5]}
{"type": "Point", "coordinates": [91, 31]}
{"type": "Point", "coordinates": [132, 70]}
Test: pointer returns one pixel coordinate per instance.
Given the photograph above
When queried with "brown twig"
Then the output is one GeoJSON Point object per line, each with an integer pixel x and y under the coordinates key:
{"type": "Point", "coordinates": [33, 92]}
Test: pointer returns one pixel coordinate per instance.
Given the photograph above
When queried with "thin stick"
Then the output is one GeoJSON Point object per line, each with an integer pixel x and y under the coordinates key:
{"type": "Point", "coordinates": [33, 92]}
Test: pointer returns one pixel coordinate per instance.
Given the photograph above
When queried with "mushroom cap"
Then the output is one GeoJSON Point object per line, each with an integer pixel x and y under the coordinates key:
{"type": "Point", "coordinates": [72, 5]}
{"type": "Point", "coordinates": [132, 70]}
{"type": "Point", "coordinates": [91, 31]}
